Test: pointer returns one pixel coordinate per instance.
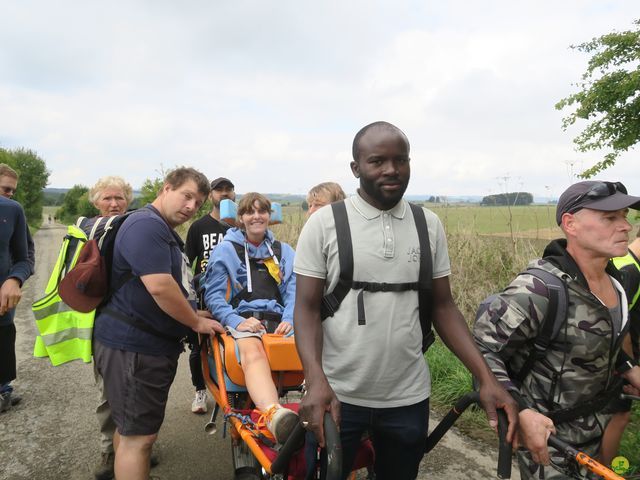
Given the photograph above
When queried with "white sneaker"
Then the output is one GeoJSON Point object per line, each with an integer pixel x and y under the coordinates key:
{"type": "Point", "coordinates": [199, 404]}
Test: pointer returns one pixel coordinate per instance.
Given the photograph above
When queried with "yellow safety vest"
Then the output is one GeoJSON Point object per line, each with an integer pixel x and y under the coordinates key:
{"type": "Point", "coordinates": [621, 262]}
{"type": "Point", "coordinates": [65, 334]}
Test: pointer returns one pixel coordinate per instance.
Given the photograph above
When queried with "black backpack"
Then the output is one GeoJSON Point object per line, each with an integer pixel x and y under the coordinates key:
{"type": "Point", "coordinates": [331, 301]}
{"type": "Point", "coordinates": [552, 322]}
{"type": "Point", "coordinates": [264, 286]}
{"type": "Point", "coordinates": [103, 231]}
{"type": "Point", "coordinates": [87, 285]}
{"type": "Point", "coordinates": [554, 319]}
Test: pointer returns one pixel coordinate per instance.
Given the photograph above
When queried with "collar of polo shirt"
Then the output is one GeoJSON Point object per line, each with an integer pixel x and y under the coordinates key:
{"type": "Point", "coordinates": [370, 212]}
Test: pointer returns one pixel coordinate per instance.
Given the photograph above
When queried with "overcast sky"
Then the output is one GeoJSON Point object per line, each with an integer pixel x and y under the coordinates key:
{"type": "Point", "coordinates": [270, 94]}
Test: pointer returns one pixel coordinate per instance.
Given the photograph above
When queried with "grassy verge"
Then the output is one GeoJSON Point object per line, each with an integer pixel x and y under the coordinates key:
{"type": "Point", "coordinates": [450, 380]}
{"type": "Point", "coordinates": [630, 446]}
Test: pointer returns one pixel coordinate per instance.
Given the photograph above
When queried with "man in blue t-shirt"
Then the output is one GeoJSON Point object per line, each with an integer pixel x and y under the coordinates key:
{"type": "Point", "coordinates": [204, 235]}
{"type": "Point", "coordinates": [14, 270]}
{"type": "Point", "coordinates": [138, 334]}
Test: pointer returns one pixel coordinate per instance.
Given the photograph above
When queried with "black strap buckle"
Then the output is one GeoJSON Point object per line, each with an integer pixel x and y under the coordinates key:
{"type": "Point", "coordinates": [329, 306]}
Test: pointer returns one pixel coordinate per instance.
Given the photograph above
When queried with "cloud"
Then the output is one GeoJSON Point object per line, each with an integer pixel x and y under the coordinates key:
{"type": "Point", "coordinates": [272, 94]}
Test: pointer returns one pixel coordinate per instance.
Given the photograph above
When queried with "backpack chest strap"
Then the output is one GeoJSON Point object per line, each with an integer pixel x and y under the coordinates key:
{"type": "Point", "coordinates": [378, 287]}
{"type": "Point", "coordinates": [385, 287]}
{"type": "Point", "coordinates": [331, 301]}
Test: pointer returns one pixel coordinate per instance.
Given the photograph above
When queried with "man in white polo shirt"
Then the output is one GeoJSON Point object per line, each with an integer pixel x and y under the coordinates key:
{"type": "Point", "coordinates": [365, 364]}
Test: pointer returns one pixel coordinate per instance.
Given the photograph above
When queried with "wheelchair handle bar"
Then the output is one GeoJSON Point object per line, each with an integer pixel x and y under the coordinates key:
{"type": "Point", "coordinates": [333, 449]}
{"type": "Point", "coordinates": [504, 449]}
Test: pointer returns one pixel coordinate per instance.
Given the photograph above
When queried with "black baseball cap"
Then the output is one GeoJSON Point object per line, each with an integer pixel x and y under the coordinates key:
{"type": "Point", "coordinates": [221, 181]}
{"type": "Point", "coordinates": [596, 195]}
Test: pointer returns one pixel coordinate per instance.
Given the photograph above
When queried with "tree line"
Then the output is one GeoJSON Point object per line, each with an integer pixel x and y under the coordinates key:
{"type": "Point", "coordinates": [512, 198]}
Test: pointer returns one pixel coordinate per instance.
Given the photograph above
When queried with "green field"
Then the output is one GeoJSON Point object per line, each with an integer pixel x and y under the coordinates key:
{"type": "Point", "coordinates": [488, 220]}
{"type": "Point", "coordinates": [473, 218]}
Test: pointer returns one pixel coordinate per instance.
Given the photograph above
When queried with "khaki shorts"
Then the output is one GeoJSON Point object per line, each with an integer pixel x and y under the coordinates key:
{"type": "Point", "coordinates": [137, 386]}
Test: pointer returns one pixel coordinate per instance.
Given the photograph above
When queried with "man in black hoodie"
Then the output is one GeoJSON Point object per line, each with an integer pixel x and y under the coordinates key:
{"type": "Point", "coordinates": [567, 387]}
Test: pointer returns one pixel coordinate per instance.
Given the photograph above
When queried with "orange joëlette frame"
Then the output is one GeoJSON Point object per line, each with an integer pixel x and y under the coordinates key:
{"type": "Point", "coordinates": [276, 345]}
{"type": "Point", "coordinates": [596, 467]}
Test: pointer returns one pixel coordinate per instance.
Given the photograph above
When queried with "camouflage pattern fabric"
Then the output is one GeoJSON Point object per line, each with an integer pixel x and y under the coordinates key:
{"type": "Point", "coordinates": [577, 366]}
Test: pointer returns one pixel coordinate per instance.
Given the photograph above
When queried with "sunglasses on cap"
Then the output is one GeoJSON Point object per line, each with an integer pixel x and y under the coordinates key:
{"type": "Point", "coordinates": [598, 190]}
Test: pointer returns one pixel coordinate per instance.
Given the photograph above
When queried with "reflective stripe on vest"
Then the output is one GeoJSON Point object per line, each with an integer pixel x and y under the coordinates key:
{"type": "Point", "coordinates": [621, 262]}
{"type": "Point", "coordinates": [65, 334]}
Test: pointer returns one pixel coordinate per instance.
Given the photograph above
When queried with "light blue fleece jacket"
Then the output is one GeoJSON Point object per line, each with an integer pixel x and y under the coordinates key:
{"type": "Point", "coordinates": [225, 264]}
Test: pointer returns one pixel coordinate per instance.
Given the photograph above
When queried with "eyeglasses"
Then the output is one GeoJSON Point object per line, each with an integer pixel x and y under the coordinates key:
{"type": "Point", "coordinates": [8, 190]}
{"type": "Point", "coordinates": [598, 190]}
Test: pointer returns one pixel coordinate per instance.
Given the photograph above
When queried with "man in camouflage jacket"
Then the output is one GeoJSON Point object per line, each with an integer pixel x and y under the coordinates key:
{"type": "Point", "coordinates": [583, 360]}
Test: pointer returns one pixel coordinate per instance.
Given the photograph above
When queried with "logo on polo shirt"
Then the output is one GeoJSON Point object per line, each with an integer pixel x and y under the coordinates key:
{"type": "Point", "coordinates": [413, 254]}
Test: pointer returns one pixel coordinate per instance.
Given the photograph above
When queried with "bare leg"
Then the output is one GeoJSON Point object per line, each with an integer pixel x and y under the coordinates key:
{"type": "Point", "coordinates": [257, 373]}
{"type": "Point", "coordinates": [613, 435]}
{"type": "Point", "coordinates": [132, 456]}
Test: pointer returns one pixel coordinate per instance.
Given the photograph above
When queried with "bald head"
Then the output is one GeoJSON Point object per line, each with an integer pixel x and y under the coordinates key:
{"type": "Point", "coordinates": [380, 125]}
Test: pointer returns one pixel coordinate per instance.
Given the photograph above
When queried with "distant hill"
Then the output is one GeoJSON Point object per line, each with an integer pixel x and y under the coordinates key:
{"type": "Point", "coordinates": [53, 196]}
{"type": "Point", "coordinates": [447, 198]}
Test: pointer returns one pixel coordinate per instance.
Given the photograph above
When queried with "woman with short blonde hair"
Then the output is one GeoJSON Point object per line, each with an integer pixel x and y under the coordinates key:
{"type": "Point", "coordinates": [323, 194]}
{"type": "Point", "coordinates": [111, 195]}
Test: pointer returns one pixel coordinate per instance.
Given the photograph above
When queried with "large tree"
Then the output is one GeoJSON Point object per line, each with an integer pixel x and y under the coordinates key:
{"type": "Point", "coordinates": [609, 97]}
{"type": "Point", "coordinates": [33, 177]}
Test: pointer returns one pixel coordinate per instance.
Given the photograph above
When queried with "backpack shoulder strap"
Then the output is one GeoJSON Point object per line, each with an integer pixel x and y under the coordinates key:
{"type": "Point", "coordinates": [331, 301]}
{"type": "Point", "coordinates": [554, 318]}
{"type": "Point", "coordinates": [425, 276]}
{"type": "Point", "coordinates": [343, 234]}
{"type": "Point", "coordinates": [277, 249]}
{"type": "Point", "coordinates": [426, 264]}
{"type": "Point", "coordinates": [276, 246]}
{"type": "Point", "coordinates": [105, 237]}
{"type": "Point", "coordinates": [239, 250]}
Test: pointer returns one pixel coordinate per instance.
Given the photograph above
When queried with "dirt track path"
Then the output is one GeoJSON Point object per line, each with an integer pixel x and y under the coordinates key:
{"type": "Point", "coordinates": [53, 433]}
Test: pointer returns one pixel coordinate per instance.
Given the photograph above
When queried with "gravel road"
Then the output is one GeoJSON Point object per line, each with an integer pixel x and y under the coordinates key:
{"type": "Point", "coordinates": [53, 433]}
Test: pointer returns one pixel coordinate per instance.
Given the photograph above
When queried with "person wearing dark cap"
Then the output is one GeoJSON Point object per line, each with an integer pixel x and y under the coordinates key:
{"type": "Point", "coordinates": [567, 388]}
{"type": "Point", "coordinates": [202, 238]}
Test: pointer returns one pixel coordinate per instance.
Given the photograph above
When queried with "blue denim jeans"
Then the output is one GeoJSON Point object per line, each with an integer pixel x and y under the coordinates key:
{"type": "Point", "coordinates": [398, 435]}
